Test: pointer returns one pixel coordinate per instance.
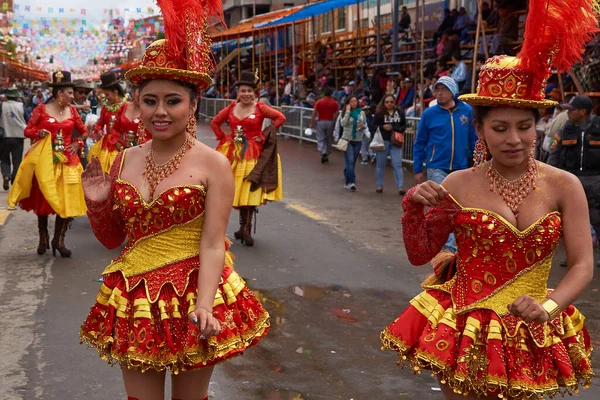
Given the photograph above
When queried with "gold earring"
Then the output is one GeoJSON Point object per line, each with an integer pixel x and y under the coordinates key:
{"type": "Point", "coordinates": [480, 154]}
{"type": "Point", "coordinates": [191, 126]}
{"type": "Point", "coordinates": [141, 132]}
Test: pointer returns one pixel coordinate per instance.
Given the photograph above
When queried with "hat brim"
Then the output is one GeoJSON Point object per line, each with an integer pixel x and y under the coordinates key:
{"type": "Point", "coordinates": [140, 74]}
{"type": "Point", "coordinates": [476, 100]}
{"type": "Point", "coordinates": [62, 85]}
{"type": "Point", "coordinates": [109, 86]}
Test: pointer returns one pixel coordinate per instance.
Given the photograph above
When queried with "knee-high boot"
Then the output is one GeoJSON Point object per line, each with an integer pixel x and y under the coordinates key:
{"type": "Point", "coordinates": [44, 243]}
{"type": "Point", "coordinates": [240, 233]}
{"type": "Point", "coordinates": [247, 231]}
{"type": "Point", "coordinates": [58, 241]}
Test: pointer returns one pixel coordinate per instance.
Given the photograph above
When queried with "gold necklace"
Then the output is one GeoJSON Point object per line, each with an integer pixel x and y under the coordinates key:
{"type": "Point", "coordinates": [155, 173]}
{"type": "Point", "coordinates": [513, 192]}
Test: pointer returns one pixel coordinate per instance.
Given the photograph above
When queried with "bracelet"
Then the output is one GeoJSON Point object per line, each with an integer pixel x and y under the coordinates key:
{"type": "Point", "coordinates": [552, 308]}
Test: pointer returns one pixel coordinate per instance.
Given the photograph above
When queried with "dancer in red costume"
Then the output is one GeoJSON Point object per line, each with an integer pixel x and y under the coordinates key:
{"type": "Point", "coordinates": [49, 178]}
{"type": "Point", "coordinates": [127, 123]}
{"type": "Point", "coordinates": [172, 299]}
{"type": "Point", "coordinates": [486, 323]}
{"type": "Point", "coordinates": [251, 151]}
{"type": "Point", "coordinates": [110, 142]}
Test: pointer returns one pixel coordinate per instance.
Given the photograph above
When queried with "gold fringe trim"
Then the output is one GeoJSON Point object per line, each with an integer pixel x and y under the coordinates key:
{"type": "Point", "coordinates": [462, 384]}
{"type": "Point", "coordinates": [214, 353]}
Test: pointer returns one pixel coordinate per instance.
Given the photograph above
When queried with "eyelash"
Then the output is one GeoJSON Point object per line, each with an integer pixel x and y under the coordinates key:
{"type": "Point", "coordinates": [152, 102]}
{"type": "Point", "coordinates": [525, 128]}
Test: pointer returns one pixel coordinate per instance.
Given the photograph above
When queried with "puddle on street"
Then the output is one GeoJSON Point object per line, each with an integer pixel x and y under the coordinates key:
{"type": "Point", "coordinates": [311, 293]}
{"type": "Point", "coordinates": [283, 395]}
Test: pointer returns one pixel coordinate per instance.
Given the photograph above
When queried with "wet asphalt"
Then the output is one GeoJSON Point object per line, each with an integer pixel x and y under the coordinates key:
{"type": "Point", "coordinates": [328, 264]}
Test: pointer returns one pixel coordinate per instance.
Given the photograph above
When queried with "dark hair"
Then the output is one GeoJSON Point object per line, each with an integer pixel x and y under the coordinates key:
{"type": "Point", "coordinates": [347, 101]}
{"type": "Point", "coordinates": [481, 112]}
{"type": "Point", "coordinates": [118, 88]}
{"type": "Point", "coordinates": [381, 109]}
{"type": "Point", "coordinates": [328, 91]}
{"type": "Point", "coordinates": [55, 91]}
{"type": "Point", "coordinates": [191, 88]}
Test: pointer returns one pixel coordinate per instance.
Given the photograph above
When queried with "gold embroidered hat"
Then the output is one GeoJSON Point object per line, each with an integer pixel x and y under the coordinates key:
{"type": "Point", "coordinates": [556, 32]}
{"type": "Point", "coordinates": [185, 54]}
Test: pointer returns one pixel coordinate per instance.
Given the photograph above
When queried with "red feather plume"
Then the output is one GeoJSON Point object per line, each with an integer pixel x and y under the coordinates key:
{"type": "Point", "coordinates": [556, 32]}
{"type": "Point", "coordinates": [179, 14]}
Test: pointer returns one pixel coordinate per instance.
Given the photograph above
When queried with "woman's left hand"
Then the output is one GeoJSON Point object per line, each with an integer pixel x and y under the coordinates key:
{"type": "Point", "coordinates": [529, 309]}
{"type": "Point", "coordinates": [74, 147]}
{"type": "Point", "coordinates": [208, 324]}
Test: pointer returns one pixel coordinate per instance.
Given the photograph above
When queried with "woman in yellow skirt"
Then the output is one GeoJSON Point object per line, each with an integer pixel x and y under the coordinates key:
{"type": "Point", "coordinates": [251, 151]}
{"type": "Point", "coordinates": [110, 142]}
{"type": "Point", "coordinates": [49, 178]}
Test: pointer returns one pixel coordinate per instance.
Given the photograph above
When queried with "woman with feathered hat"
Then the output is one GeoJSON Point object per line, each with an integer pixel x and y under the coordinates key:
{"type": "Point", "coordinates": [49, 178]}
{"type": "Point", "coordinates": [251, 151]}
{"type": "Point", "coordinates": [110, 142]}
{"type": "Point", "coordinates": [171, 300]}
{"type": "Point", "coordinates": [486, 324]}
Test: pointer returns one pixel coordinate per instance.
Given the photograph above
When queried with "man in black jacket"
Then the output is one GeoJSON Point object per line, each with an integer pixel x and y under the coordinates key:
{"type": "Point", "coordinates": [577, 150]}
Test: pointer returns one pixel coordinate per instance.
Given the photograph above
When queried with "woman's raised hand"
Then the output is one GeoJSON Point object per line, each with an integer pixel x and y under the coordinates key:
{"type": "Point", "coordinates": [96, 183]}
{"type": "Point", "coordinates": [429, 193]}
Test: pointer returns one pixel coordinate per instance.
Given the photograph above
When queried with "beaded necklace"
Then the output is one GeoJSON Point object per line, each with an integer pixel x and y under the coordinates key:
{"type": "Point", "coordinates": [513, 192]}
{"type": "Point", "coordinates": [155, 173]}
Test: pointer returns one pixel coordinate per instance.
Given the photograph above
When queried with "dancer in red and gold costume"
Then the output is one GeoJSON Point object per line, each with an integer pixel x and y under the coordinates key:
{"type": "Point", "coordinates": [486, 323]}
{"type": "Point", "coordinates": [251, 151]}
{"type": "Point", "coordinates": [172, 299]}
{"type": "Point", "coordinates": [49, 178]}
{"type": "Point", "coordinates": [109, 141]}
{"type": "Point", "coordinates": [127, 123]}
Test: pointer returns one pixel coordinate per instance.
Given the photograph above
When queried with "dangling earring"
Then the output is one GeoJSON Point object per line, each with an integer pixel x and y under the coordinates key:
{"type": "Point", "coordinates": [190, 128]}
{"type": "Point", "coordinates": [480, 154]}
{"type": "Point", "coordinates": [141, 132]}
{"type": "Point", "coordinates": [60, 105]}
{"type": "Point", "coordinates": [532, 152]}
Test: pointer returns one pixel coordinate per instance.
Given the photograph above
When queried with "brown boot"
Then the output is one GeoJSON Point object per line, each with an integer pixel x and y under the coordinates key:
{"type": "Point", "coordinates": [247, 235]}
{"type": "Point", "coordinates": [239, 234]}
{"type": "Point", "coordinates": [44, 236]}
{"type": "Point", "coordinates": [58, 241]}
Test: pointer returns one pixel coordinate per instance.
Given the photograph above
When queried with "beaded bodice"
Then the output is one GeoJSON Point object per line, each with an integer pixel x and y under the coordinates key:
{"type": "Point", "coordinates": [497, 263]}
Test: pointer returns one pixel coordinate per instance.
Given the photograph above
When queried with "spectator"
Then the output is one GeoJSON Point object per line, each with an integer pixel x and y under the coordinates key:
{"type": "Point", "coordinates": [575, 151]}
{"type": "Point", "coordinates": [445, 137]}
{"type": "Point", "coordinates": [39, 98]}
{"type": "Point", "coordinates": [326, 110]}
{"type": "Point", "coordinates": [447, 23]}
{"type": "Point", "coordinates": [365, 152]}
{"type": "Point", "coordinates": [459, 72]}
{"type": "Point", "coordinates": [553, 129]}
{"type": "Point", "coordinates": [12, 120]}
{"type": "Point", "coordinates": [404, 24]}
{"type": "Point", "coordinates": [301, 87]}
{"type": "Point", "coordinates": [452, 48]}
{"type": "Point", "coordinates": [409, 97]}
{"type": "Point", "coordinates": [389, 119]}
{"type": "Point", "coordinates": [507, 31]}
{"type": "Point", "coordinates": [353, 123]}
{"type": "Point", "coordinates": [462, 21]}
{"type": "Point", "coordinates": [467, 87]}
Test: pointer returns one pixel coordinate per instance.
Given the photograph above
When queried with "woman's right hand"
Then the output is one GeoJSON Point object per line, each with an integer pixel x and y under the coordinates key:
{"type": "Point", "coordinates": [96, 183]}
{"type": "Point", "coordinates": [429, 193]}
{"type": "Point", "coordinates": [347, 107]}
{"type": "Point", "coordinates": [42, 133]}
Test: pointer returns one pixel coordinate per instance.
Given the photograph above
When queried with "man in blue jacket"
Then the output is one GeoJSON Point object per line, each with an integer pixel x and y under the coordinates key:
{"type": "Point", "coordinates": [446, 135]}
{"type": "Point", "coordinates": [445, 138]}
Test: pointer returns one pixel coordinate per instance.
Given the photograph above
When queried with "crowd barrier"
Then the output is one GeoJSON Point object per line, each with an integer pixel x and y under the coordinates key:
{"type": "Point", "coordinates": [298, 119]}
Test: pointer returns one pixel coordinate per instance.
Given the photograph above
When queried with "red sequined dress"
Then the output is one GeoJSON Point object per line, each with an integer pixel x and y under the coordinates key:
{"type": "Point", "coordinates": [462, 330]}
{"type": "Point", "coordinates": [140, 319]}
{"type": "Point", "coordinates": [105, 149]}
{"type": "Point", "coordinates": [126, 128]}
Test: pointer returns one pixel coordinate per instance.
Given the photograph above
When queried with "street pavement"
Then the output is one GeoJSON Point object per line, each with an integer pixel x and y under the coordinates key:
{"type": "Point", "coordinates": [328, 264]}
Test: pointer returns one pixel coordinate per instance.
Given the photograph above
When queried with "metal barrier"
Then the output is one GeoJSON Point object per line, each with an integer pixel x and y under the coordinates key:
{"type": "Point", "coordinates": [298, 119]}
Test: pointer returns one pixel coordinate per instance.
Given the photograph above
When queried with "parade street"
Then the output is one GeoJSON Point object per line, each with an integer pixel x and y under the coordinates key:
{"type": "Point", "coordinates": [328, 264]}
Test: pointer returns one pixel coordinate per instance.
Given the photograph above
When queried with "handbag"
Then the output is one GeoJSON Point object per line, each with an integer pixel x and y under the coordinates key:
{"type": "Point", "coordinates": [341, 145]}
{"type": "Point", "coordinates": [397, 139]}
{"type": "Point", "coordinates": [377, 144]}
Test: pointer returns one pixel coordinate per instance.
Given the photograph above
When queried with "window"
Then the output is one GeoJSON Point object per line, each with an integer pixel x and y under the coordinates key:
{"type": "Point", "coordinates": [341, 17]}
{"type": "Point", "coordinates": [325, 22]}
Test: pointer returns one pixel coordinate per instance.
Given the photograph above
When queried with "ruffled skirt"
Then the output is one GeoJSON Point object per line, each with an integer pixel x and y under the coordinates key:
{"type": "Point", "coordinates": [244, 197]}
{"type": "Point", "coordinates": [103, 153]}
{"type": "Point", "coordinates": [142, 322]}
{"type": "Point", "coordinates": [480, 353]}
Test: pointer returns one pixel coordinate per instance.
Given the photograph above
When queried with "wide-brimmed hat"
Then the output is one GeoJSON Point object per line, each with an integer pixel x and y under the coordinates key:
{"type": "Point", "coordinates": [13, 92]}
{"type": "Point", "coordinates": [247, 78]}
{"type": "Point", "coordinates": [555, 36]}
{"type": "Point", "coordinates": [61, 79]}
{"type": "Point", "coordinates": [81, 84]}
{"type": "Point", "coordinates": [108, 80]}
